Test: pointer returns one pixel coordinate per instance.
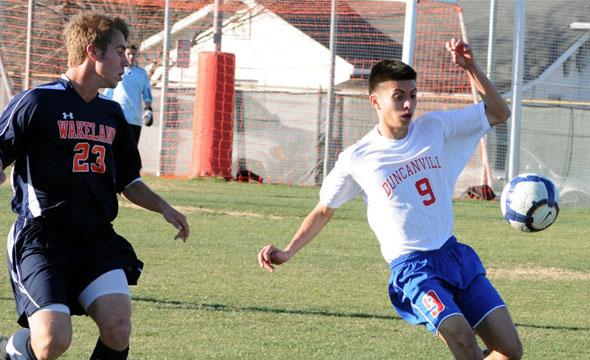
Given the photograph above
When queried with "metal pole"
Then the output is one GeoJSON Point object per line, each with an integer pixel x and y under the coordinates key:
{"type": "Point", "coordinates": [410, 31]}
{"type": "Point", "coordinates": [27, 79]}
{"type": "Point", "coordinates": [517, 78]}
{"type": "Point", "coordinates": [331, 102]}
{"type": "Point", "coordinates": [6, 81]}
{"type": "Point", "coordinates": [217, 24]}
{"type": "Point", "coordinates": [163, 92]}
{"type": "Point", "coordinates": [486, 176]}
{"type": "Point", "coordinates": [491, 39]}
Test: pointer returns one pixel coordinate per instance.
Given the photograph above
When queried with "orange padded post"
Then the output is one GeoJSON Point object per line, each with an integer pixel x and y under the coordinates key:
{"type": "Point", "coordinates": [214, 109]}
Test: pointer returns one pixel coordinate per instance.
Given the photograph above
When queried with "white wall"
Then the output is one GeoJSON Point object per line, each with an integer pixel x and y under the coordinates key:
{"type": "Point", "coordinates": [269, 52]}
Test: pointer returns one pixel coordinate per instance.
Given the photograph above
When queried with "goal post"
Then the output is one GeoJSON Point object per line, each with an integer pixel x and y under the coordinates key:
{"type": "Point", "coordinates": [214, 112]}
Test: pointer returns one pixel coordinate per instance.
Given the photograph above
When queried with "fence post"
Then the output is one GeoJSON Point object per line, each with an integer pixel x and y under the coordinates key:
{"type": "Point", "coordinates": [410, 31]}
{"type": "Point", "coordinates": [491, 39]}
{"type": "Point", "coordinates": [217, 24]}
{"type": "Point", "coordinates": [331, 102]}
{"type": "Point", "coordinates": [27, 79]}
{"type": "Point", "coordinates": [163, 92]}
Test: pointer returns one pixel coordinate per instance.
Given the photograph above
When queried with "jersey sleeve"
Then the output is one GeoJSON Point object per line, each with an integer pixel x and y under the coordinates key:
{"type": "Point", "coordinates": [463, 130]}
{"type": "Point", "coordinates": [15, 123]}
{"type": "Point", "coordinates": [147, 90]}
{"type": "Point", "coordinates": [468, 122]}
{"type": "Point", "coordinates": [339, 186]}
{"type": "Point", "coordinates": [127, 158]}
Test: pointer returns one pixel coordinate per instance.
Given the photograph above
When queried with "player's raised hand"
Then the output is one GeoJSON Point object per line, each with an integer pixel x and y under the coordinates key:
{"type": "Point", "coordinates": [461, 53]}
{"type": "Point", "coordinates": [270, 255]}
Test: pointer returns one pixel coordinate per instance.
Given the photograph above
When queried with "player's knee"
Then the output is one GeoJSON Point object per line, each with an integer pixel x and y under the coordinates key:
{"type": "Point", "coordinates": [513, 351]}
{"type": "Point", "coordinates": [516, 353]}
{"type": "Point", "coordinates": [50, 346]}
{"type": "Point", "coordinates": [462, 340]}
{"type": "Point", "coordinates": [459, 337]}
{"type": "Point", "coordinates": [116, 334]}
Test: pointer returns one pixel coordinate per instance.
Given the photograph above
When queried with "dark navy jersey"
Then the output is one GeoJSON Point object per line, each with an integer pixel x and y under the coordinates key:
{"type": "Point", "coordinates": [71, 158]}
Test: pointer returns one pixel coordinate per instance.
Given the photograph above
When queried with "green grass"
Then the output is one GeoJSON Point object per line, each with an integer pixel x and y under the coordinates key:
{"type": "Point", "coordinates": [208, 299]}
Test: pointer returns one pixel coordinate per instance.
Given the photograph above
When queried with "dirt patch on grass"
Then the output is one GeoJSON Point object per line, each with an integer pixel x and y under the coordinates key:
{"type": "Point", "coordinates": [535, 272]}
{"type": "Point", "coordinates": [195, 209]}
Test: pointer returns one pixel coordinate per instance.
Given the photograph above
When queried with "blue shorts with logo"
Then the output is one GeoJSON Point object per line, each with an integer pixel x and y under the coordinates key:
{"type": "Point", "coordinates": [426, 287]}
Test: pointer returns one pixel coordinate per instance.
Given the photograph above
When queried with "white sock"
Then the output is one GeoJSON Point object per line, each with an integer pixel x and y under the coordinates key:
{"type": "Point", "coordinates": [17, 347]}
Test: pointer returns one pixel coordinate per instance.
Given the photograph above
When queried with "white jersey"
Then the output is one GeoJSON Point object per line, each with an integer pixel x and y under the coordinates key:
{"type": "Point", "coordinates": [408, 184]}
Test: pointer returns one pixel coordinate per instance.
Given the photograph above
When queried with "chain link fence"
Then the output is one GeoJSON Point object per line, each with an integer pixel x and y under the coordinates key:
{"type": "Point", "coordinates": [284, 98]}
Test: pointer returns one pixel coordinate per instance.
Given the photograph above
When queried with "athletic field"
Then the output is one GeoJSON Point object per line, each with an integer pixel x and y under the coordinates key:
{"type": "Point", "coordinates": [208, 299]}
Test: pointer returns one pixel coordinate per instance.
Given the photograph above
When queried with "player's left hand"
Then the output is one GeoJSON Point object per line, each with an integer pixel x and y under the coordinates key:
{"type": "Point", "coordinates": [270, 255]}
{"type": "Point", "coordinates": [461, 53]}
{"type": "Point", "coordinates": [148, 117]}
{"type": "Point", "coordinates": [178, 220]}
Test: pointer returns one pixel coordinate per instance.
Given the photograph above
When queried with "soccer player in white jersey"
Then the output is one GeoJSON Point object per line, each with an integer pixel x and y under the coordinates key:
{"type": "Point", "coordinates": [405, 171]}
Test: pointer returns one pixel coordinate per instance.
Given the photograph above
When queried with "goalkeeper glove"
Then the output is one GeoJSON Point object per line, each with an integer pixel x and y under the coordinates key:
{"type": "Point", "coordinates": [148, 116]}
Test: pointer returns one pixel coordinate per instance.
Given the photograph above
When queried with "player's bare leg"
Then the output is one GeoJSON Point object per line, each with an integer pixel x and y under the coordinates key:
{"type": "Point", "coordinates": [499, 334]}
{"type": "Point", "coordinates": [51, 334]}
{"type": "Point", "coordinates": [456, 332]}
{"type": "Point", "coordinates": [112, 314]}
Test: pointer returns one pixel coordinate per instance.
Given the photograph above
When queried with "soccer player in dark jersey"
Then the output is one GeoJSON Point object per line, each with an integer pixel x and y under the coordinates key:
{"type": "Point", "coordinates": [73, 152]}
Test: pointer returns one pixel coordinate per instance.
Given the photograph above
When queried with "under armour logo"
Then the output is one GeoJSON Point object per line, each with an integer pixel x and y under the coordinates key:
{"type": "Point", "coordinates": [69, 115]}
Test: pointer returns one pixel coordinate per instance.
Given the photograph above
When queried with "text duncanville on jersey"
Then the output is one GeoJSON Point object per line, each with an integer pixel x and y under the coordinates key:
{"type": "Point", "coordinates": [409, 169]}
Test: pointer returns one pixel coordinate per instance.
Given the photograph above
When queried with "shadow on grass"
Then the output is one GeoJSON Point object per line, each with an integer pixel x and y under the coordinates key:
{"type": "Point", "coordinates": [259, 309]}
{"type": "Point", "coordinates": [262, 309]}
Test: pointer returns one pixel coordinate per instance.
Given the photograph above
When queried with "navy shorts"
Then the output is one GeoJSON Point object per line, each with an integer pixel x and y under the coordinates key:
{"type": "Point", "coordinates": [51, 264]}
{"type": "Point", "coordinates": [426, 287]}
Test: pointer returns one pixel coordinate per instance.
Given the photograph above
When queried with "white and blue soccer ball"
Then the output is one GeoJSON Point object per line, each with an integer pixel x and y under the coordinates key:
{"type": "Point", "coordinates": [530, 202]}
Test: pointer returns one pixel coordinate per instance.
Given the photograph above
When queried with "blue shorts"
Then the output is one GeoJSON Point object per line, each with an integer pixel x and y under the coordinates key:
{"type": "Point", "coordinates": [51, 264]}
{"type": "Point", "coordinates": [426, 287]}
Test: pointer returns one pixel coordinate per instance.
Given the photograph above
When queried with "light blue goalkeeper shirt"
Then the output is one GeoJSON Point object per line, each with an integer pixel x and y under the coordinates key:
{"type": "Point", "coordinates": [130, 92]}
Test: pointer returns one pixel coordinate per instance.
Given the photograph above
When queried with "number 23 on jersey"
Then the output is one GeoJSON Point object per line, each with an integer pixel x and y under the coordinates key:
{"type": "Point", "coordinates": [82, 163]}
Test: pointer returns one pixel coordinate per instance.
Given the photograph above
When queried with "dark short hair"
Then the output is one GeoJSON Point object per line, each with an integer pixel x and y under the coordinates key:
{"type": "Point", "coordinates": [131, 47]}
{"type": "Point", "coordinates": [386, 70]}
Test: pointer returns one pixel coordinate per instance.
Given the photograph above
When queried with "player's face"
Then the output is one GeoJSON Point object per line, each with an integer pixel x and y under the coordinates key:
{"type": "Point", "coordinates": [395, 102]}
{"type": "Point", "coordinates": [130, 54]}
{"type": "Point", "coordinates": [112, 62]}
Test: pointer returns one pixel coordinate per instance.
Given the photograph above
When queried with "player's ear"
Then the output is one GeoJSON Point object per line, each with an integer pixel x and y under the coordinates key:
{"type": "Point", "coordinates": [93, 53]}
{"type": "Point", "coordinates": [375, 101]}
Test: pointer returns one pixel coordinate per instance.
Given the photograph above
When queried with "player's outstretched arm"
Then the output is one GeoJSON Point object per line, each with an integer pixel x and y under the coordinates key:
{"type": "Point", "coordinates": [497, 110]}
{"type": "Point", "coordinates": [311, 226]}
{"type": "Point", "coordinates": [141, 195]}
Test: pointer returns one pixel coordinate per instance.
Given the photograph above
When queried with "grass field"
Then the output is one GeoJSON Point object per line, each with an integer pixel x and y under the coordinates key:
{"type": "Point", "coordinates": [208, 299]}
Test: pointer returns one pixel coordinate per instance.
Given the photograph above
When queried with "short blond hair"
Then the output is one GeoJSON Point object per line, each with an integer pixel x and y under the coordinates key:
{"type": "Point", "coordinates": [96, 29]}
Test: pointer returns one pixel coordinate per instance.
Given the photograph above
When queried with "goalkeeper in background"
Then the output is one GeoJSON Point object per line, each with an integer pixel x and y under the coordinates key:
{"type": "Point", "coordinates": [405, 170]}
{"type": "Point", "coordinates": [130, 92]}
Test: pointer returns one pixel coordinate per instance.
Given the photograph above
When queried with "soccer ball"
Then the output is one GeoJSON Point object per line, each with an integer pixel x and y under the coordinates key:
{"type": "Point", "coordinates": [530, 202]}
